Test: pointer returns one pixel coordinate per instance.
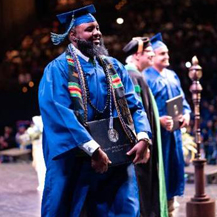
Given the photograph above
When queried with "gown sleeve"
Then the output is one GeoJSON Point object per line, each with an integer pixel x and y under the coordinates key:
{"type": "Point", "coordinates": [62, 130]}
{"type": "Point", "coordinates": [186, 106]}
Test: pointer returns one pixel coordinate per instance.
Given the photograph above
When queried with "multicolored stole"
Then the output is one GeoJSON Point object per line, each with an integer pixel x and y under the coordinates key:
{"type": "Point", "coordinates": [78, 92]}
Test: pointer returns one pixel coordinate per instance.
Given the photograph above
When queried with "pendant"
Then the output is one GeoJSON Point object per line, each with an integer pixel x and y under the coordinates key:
{"type": "Point", "coordinates": [113, 135]}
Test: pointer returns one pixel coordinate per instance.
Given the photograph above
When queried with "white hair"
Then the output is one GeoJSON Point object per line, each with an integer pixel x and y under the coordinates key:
{"type": "Point", "coordinates": [129, 59]}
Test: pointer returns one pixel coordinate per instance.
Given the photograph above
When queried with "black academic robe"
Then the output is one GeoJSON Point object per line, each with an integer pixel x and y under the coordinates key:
{"type": "Point", "coordinates": [147, 174]}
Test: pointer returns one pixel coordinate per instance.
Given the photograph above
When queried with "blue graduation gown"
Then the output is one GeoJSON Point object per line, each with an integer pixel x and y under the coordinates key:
{"type": "Point", "coordinates": [69, 179]}
{"type": "Point", "coordinates": [165, 86]}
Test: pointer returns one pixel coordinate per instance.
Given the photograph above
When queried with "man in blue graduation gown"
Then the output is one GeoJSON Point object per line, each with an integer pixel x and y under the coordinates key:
{"type": "Point", "coordinates": [75, 88]}
{"type": "Point", "coordinates": [165, 85]}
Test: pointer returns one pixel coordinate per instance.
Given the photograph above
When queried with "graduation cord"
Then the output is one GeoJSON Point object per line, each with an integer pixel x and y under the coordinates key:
{"type": "Point", "coordinates": [113, 90]}
{"type": "Point", "coordinates": [108, 67]}
{"type": "Point", "coordinates": [108, 98]}
{"type": "Point", "coordinates": [82, 81]}
{"type": "Point", "coordinates": [85, 89]}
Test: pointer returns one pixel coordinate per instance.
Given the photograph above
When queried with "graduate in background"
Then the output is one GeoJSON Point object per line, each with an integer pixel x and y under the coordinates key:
{"type": "Point", "coordinates": [153, 200]}
{"type": "Point", "coordinates": [33, 136]}
{"type": "Point", "coordinates": [165, 85]}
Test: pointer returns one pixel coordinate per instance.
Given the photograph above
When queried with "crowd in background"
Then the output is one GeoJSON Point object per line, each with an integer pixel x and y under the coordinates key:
{"type": "Point", "coordinates": [189, 30]}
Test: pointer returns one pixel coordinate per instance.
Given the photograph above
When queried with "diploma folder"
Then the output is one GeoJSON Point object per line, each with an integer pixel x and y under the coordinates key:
{"type": "Point", "coordinates": [175, 109]}
{"type": "Point", "coordinates": [117, 150]}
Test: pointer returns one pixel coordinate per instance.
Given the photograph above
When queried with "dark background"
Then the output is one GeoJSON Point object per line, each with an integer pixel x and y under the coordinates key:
{"type": "Point", "coordinates": [188, 28]}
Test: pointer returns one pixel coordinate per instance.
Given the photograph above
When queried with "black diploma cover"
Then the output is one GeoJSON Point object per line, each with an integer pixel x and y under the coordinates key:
{"type": "Point", "coordinates": [114, 143]}
{"type": "Point", "coordinates": [174, 109]}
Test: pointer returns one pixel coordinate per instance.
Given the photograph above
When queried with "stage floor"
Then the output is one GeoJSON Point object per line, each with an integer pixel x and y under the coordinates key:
{"type": "Point", "coordinates": [19, 197]}
{"type": "Point", "coordinates": [18, 194]}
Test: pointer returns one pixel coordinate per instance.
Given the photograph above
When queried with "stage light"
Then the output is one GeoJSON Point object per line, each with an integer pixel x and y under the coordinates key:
{"type": "Point", "coordinates": [31, 84]}
{"type": "Point", "coordinates": [188, 64]}
{"type": "Point", "coordinates": [120, 20]}
{"type": "Point", "coordinates": [24, 89]}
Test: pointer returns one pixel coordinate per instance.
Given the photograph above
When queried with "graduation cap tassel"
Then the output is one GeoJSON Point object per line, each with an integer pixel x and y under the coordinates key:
{"type": "Point", "coordinates": [59, 38]}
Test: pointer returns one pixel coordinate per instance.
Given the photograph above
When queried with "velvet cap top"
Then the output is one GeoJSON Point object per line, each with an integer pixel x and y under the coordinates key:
{"type": "Point", "coordinates": [137, 44]}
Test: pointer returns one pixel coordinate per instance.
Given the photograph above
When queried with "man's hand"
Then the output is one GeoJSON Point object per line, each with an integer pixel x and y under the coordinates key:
{"type": "Point", "coordinates": [141, 151]}
{"type": "Point", "coordinates": [185, 120]}
{"type": "Point", "coordinates": [100, 161]}
{"type": "Point", "coordinates": [166, 122]}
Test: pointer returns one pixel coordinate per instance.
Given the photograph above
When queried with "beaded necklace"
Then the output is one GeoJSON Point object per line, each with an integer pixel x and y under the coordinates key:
{"type": "Point", "coordinates": [108, 98]}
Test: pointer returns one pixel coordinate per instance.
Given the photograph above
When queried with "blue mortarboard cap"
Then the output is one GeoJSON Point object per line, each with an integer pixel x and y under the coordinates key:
{"type": "Point", "coordinates": [73, 18]}
{"type": "Point", "coordinates": [157, 41]}
{"type": "Point", "coordinates": [81, 15]}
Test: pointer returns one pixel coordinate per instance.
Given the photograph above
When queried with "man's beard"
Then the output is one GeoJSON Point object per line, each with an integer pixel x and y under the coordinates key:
{"type": "Point", "coordinates": [91, 50]}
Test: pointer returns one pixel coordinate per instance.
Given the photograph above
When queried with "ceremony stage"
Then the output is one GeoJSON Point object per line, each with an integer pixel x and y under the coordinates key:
{"type": "Point", "coordinates": [19, 197]}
